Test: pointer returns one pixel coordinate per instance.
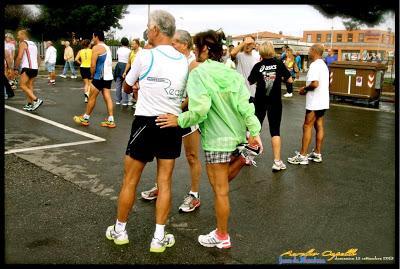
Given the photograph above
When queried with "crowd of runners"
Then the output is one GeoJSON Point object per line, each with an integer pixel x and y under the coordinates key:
{"type": "Point", "coordinates": [190, 89]}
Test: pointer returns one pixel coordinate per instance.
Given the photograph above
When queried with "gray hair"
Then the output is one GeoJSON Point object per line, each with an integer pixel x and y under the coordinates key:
{"type": "Point", "coordinates": [164, 21]}
{"type": "Point", "coordinates": [185, 38]}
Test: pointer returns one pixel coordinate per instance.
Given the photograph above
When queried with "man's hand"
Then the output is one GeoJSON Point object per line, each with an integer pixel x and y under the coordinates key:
{"type": "Point", "coordinates": [167, 120]}
{"type": "Point", "coordinates": [302, 91]}
{"type": "Point", "coordinates": [127, 88]}
{"type": "Point", "coordinates": [256, 140]}
{"type": "Point", "coordinates": [248, 40]}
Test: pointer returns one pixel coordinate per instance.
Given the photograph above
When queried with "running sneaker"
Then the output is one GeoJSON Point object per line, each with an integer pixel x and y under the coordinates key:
{"type": "Point", "coordinates": [150, 194]}
{"type": "Point", "coordinates": [36, 104]}
{"type": "Point", "coordinates": [74, 77]}
{"type": "Point", "coordinates": [298, 159]}
{"type": "Point", "coordinates": [27, 107]}
{"type": "Point", "coordinates": [81, 120]}
{"type": "Point", "coordinates": [239, 149]}
{"type": "Point", "coordinates": [107, 123]}
{"type": "Point", "coordinates": [190, 203]}
{"type": "Point", "coordinates": [249, 152]}
{"type": "Point", "coordinates": [120, 238]}
{"type": "Point", "coordinates": [288, 95]}
{"type": "Point", "coordinates": [316, 157]}
{"type": "Point", "coordinates": [117, 103]}
{"type": "Point", "coordinates": [160, 245]}
{"type": "Point", "coordinates": [211, 240]}
{"type": "Point", "coordinates": [278, 165]}
{"type": "Point", "coordinates": [63, 76]}
{"type": "Point", "coordinates": [130, 103]}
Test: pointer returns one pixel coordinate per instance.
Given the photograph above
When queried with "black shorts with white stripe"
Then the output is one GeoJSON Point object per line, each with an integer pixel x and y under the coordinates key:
{"type": "Point", "coordinates": [147, 140]}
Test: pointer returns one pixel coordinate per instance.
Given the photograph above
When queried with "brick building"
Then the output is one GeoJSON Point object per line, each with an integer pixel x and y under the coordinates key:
{"type": "Point", "coordinates": [355, 44]}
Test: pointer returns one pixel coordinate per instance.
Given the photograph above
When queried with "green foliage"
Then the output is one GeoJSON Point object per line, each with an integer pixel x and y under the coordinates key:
{"type": "Point", "coordinates": [17, 16]}
{"type": "Point", "coordinates": [351, 25]}
{"type": "Point", "coordinates": [57, 21]}
{"type": "Point", "coordinates": [112, 42]}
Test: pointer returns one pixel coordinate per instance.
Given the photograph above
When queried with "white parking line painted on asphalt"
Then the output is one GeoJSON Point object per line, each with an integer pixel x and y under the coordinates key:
{"type": "Point", "coordinates": [362, 108]}
{"type": "Point", "coordinates": [59, 125]}
{"type": "Point", "coordinates": [51, 146]}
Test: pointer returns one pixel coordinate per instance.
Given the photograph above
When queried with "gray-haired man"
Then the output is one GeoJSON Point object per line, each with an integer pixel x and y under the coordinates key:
{"type": "Point", "coordinates": [162, 73]}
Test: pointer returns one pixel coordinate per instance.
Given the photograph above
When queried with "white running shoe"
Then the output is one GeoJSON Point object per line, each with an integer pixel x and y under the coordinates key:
{"type": "Point", "coordinates": [278, 165]}
{"type": "Point", "coordinates": [120, 238]}
{"type": "Point", "coordinates": [288, 95]}
{"type": "Point", "coordinates": [63, 76]}
{"type": "Point", "coordinates": [36, 104]}
{"type": "Point", "coordinates": [150, 194]}
{"type": "Point", "coordinates": [160, 245]}
{"type": "Point", "coordinates": [298, 159]}
{"type": "Point", "coordinates": [210, 240]}
{"type": "Point", "coordinates": [315, 157]}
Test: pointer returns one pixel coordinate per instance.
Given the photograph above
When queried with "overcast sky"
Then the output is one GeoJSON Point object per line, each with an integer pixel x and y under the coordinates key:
{"type": "Point", "coordinates": [238, 19]}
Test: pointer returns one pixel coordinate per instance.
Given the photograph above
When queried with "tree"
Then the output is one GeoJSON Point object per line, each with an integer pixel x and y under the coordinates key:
{"type": "Point", "coordinates": [17, 16]}
{"type": "Point", "coordinates": [57, 21]}
{"type": "Point", "coordinates": [368, 12]}
{"type": "Point", "coordinates": [351, 25]}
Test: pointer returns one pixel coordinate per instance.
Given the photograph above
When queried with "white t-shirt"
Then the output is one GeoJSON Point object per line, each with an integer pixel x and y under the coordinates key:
{"type": "Point", "coordinates": [318, 98]}
{"type": "Point", "coordinates": [162, 73]}
{"type": "Point", "coordinates": [244, 65]}
{"type": "Point", "coordinates": [10, 47]}
{"type": "Point", "coordinates": [123, 54]}
{"type": "Point", "coordinates": [51, 55]}
{"type": "Point", "coordinates": [191, 57]}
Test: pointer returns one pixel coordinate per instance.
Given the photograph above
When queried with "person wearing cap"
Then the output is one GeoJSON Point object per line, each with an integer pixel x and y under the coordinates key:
{"type": "Point", "coordinates": [50, 61]}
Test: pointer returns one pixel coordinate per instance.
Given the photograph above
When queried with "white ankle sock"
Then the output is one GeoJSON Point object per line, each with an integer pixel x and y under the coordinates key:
{"type": "Point", "coordinates": [86, 116]}
{"type": "Point", "coordinates": [110, 118]}
{"type": "Point", "coordinates": [196, 194]}
{"type": "Point", "coordinates": [119, 226]}
{"type": "Point", "coordinates": [159, 233]}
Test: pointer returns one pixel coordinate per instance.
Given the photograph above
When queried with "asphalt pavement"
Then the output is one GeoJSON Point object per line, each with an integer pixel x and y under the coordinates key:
{"type": "Point", "coordinates": [61, 193]}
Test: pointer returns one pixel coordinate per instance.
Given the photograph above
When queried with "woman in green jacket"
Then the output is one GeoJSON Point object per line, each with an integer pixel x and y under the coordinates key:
{"type": "Point", "coordinates": [218, 102]}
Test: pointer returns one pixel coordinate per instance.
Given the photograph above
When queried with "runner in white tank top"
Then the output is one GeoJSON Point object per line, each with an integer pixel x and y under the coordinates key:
{"type": "Point", "coordinates": [28, 61]}
{"type": "Point", "coordinates": [101, 70]}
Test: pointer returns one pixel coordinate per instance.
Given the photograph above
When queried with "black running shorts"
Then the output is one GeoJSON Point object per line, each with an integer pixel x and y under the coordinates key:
{"type": "Point", "coordinates": [147, 140]}
{"type": "Point", "coordinates": [31, 73]}
{"type": "Point", "coordinates": [318, 113]}
{"type": "Point", "coordinates": [85, 73]}
{"type": "Point", "coordinates": [100, 84]}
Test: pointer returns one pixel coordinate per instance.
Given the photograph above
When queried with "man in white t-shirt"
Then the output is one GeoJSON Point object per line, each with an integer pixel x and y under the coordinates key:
{"type": "Point", "coordinates": [162, 72]}
{"type": "Point", "coordinates": [50, 61]}
{"type": "Point", "coordinates": [245, 57]}
{"type": "Point", "coordinates": [317, 102]}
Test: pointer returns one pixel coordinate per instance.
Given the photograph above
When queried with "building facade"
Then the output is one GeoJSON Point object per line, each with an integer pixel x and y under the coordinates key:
{"type": "Point", "coordinates": [356, 45]}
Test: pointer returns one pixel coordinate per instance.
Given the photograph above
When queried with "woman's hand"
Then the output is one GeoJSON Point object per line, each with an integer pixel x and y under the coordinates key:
{"type": "Point", "coordinates": [167, 120]}
{"type": "Point", "coordinates": [256, 140]}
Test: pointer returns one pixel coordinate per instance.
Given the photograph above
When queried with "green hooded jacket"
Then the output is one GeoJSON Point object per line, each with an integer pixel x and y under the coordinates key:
{"type": "Point", "coordinates": [219, 103]}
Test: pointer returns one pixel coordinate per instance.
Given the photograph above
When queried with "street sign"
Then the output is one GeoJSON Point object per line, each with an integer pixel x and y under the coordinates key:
{"type": "Point", "coordinates": [350, 72]}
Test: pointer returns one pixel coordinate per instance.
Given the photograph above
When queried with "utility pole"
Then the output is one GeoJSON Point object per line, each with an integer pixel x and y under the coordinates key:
{"type": "Point", "coordinates": [148, 13]}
